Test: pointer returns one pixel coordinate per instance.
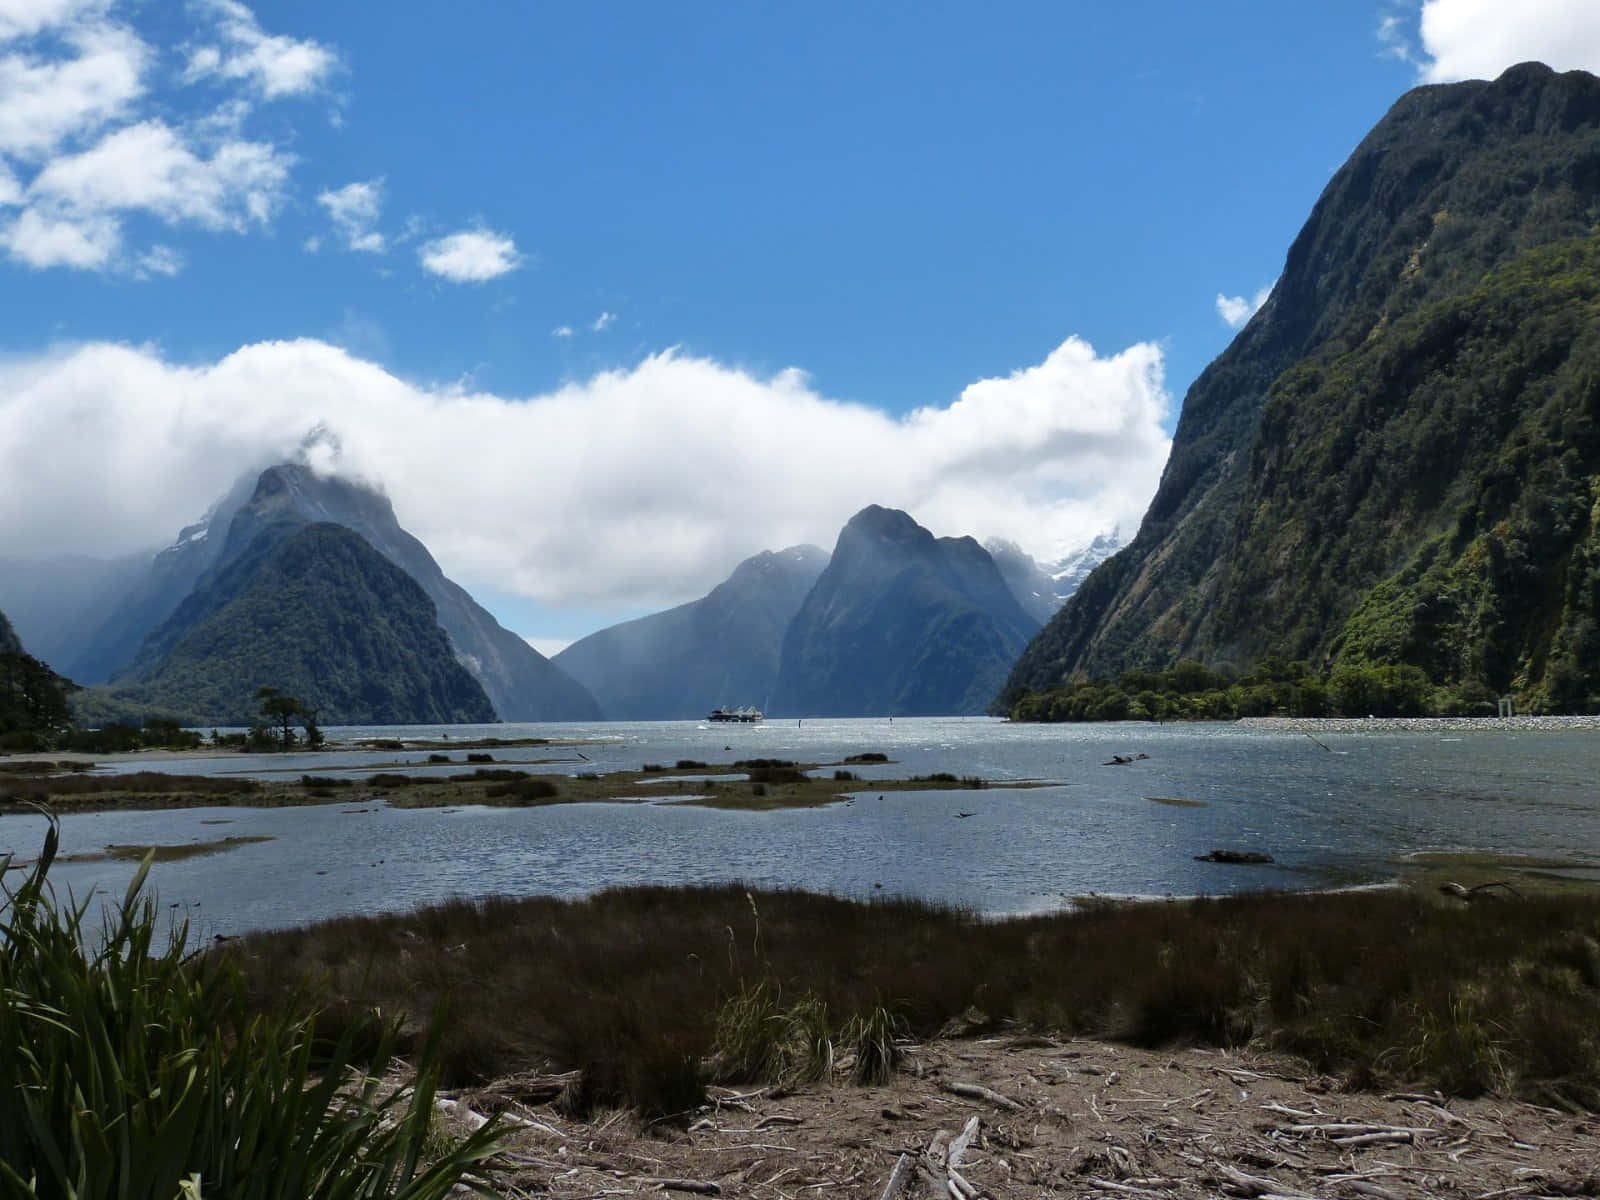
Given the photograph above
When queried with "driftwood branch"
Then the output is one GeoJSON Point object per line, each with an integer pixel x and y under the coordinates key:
{"type": "Point", "coordinates": [958, 1147]}
{"type": "Point", "coordinates": [974, 1091]}
{"type": "Point", "coordinates": [700, 1187]}
{"type": "Point", "coordinates": [905, 1166]}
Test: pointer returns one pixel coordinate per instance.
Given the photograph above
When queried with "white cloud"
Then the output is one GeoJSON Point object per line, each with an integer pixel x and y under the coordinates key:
{"type": "Point", "coordinates": [273, 65]}
{"type": "Point", "coordinates": [85, 142]}
{"type": "Point", "coordinates": [149, 167]}
{"type": "Point", "coordinates": [653, 481]}
{"type": "Point", "coordinates": [23, 18]}
{"type": "Point", "coordinates": [159, 260]}
{"type": "Point", "coordinates": [1394, 38]}
{"type": "Point", "coordinates": [354, 210]}
{"type": "Point", "coordinates": [86, 242]}
{"type": "Point", "coordinates": [43, 102]}
{"type": "Point", "coordinates": [1236, 310]}
{"type": "Point", "coordinates": [1478, 39]}
{"type": "Point", "coordinates": [561, 331]}
{"type": "Point", "coordinates": [603, 322]}
{"type": "Point", "coordinates": [471, 256]}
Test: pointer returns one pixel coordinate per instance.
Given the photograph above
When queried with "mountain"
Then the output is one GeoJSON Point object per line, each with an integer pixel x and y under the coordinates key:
{"type": "Point", "coordinates": [1397, 461]}
{"type": "Point", "coordinates": [10, 643]}
{"type": "Point", "coordinates": [313, 610]}
{"type": "Point", "coordinates": [1043, 589]}
{"type": "Point", "coordinates": [55, 602]}
{"type": "Point", "coordinates": [900, 623]}
{"type": "Point", "coordinates": [520, 682]}
{"type": "Point", "coordinates": [721, 649]}
{"type": "Point", "coordinates": [141, 599]}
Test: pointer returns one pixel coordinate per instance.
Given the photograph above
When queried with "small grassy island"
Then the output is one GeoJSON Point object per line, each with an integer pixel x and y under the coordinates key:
{"type": "Point", "coordinates": [755, 784]}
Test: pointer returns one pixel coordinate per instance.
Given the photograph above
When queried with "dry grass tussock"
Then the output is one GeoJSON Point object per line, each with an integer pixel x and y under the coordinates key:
{"type": "Point", "coordinates": [651, 994]}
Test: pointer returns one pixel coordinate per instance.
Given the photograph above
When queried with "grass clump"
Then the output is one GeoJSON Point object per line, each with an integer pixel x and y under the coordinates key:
{"type": "Point", "coordinates": [776, 775]}
{"type": "Point", "coordinates": [524, 789]}
{"type": "Point", "coordinates": [132, 1067]}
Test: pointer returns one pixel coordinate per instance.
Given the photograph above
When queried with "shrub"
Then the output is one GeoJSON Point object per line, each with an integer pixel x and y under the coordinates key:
{"type": "Point", "coordinates": [132, 1067]}
{"type": "Point", "coordinates": [526, 789]}
{"type": "Point", "coordinates": [776, 775]}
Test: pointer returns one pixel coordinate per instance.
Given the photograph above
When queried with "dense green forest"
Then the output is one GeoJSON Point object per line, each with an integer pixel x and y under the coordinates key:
{"type": "Point", "coordinates": [1397, 462]}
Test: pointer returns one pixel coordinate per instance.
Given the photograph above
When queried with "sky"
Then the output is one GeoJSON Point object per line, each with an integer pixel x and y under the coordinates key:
{"type": "Point", "coordinates": [609, 296]}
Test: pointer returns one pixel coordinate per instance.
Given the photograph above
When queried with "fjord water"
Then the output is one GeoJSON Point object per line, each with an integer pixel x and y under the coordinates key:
{"type": "Point", "coordinates": [1329, 816]}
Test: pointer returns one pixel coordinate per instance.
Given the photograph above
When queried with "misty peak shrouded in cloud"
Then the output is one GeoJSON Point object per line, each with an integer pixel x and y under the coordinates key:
{"type": "Point", "coordinates": [637, 486]}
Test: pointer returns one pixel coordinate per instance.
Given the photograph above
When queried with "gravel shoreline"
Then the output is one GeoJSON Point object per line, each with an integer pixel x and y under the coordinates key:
{"type": "Point", "coordinates": [1421, 724]}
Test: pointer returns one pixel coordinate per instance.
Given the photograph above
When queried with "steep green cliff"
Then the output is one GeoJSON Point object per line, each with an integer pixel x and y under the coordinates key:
{"type": "Point", "coordinates": [1397, 460]}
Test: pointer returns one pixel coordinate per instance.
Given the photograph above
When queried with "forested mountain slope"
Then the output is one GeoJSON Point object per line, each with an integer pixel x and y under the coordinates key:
{"type": "Point", "coordinates": [1397, 460]}
{"type": "Point", "coordinates": [313, 610]}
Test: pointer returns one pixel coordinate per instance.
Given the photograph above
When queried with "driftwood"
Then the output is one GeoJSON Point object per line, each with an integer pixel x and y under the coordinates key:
{"type": "Point", "coordinates": [1476, 891]}
{"type": "Point", "coordinates": [904, 1168]}
{"type": "Point", "coordinates": [973, 1091]}
{"type": "Point", "coordinates": [958, 1147]}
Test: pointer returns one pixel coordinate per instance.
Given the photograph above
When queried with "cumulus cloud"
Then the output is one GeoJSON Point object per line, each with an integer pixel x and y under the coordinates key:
{"type": "Point", "coordinates": [651, 481]}
{"type": "Point", "coordinates": [354, 210]}
{"type": "Point", "coordinates": [273, 65]}
{"type": "Point", "coordinates": [44, 100]}
{"type": "Point", "coordinates": [471, 256]}
{"type": "Point", "coordinates": [561, 331]}
{"type": "Point", "coordinates": [1236, 310]}
{"type": "Point", "coordinates": [603, 322]}
{"type": "Point", "coordinates": [85, 142]}
{"type": "Point", "coordinates": [1478, 39]}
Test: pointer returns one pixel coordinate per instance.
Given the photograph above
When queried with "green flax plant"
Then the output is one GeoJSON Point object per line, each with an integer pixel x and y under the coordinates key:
{"type": "Point", "coordinates": [133, 1068]}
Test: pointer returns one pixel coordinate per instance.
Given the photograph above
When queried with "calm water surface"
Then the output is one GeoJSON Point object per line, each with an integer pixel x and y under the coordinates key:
{"type": "Point", "coordinates": [1328, 816]}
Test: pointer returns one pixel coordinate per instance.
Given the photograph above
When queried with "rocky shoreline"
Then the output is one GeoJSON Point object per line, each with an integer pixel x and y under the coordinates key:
{"type": "Point", "coordinates": [1421, 724]}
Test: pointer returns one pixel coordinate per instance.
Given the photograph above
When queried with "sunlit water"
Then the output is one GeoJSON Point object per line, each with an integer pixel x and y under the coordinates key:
{"type": "Point", "coordinates": [1330, 816]}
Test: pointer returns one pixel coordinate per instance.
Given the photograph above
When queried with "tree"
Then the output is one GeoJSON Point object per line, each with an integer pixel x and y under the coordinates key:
{"type": "Point", "coordinates": [280, 710]}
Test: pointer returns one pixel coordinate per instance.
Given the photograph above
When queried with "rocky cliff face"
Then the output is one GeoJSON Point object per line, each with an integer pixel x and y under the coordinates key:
{"type": "Point", "coordinates": [900, 623]}
{"type": "Point", "coordinates": [721, 649]}
{"type": "Point", "coordinates": [1396, 459]}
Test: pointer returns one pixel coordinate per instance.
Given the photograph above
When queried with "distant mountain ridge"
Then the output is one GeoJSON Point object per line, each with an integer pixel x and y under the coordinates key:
{"type": "Point", "coordinates": [1397, 461]}
{"type": "Point", "coordinates": [900, 623]}
{"type": "Point", "coordinates": [720, 649]}
{"type": "Point", "coordinates": [315, 611]}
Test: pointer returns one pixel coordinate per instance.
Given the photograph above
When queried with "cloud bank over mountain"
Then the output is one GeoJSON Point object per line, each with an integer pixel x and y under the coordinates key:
{"type": "Point", "coordinates": [632, 487]}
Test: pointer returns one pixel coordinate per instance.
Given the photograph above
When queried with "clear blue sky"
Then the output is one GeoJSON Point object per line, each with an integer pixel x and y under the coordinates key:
{"type": "Point", "coordinates": [898, 200]}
